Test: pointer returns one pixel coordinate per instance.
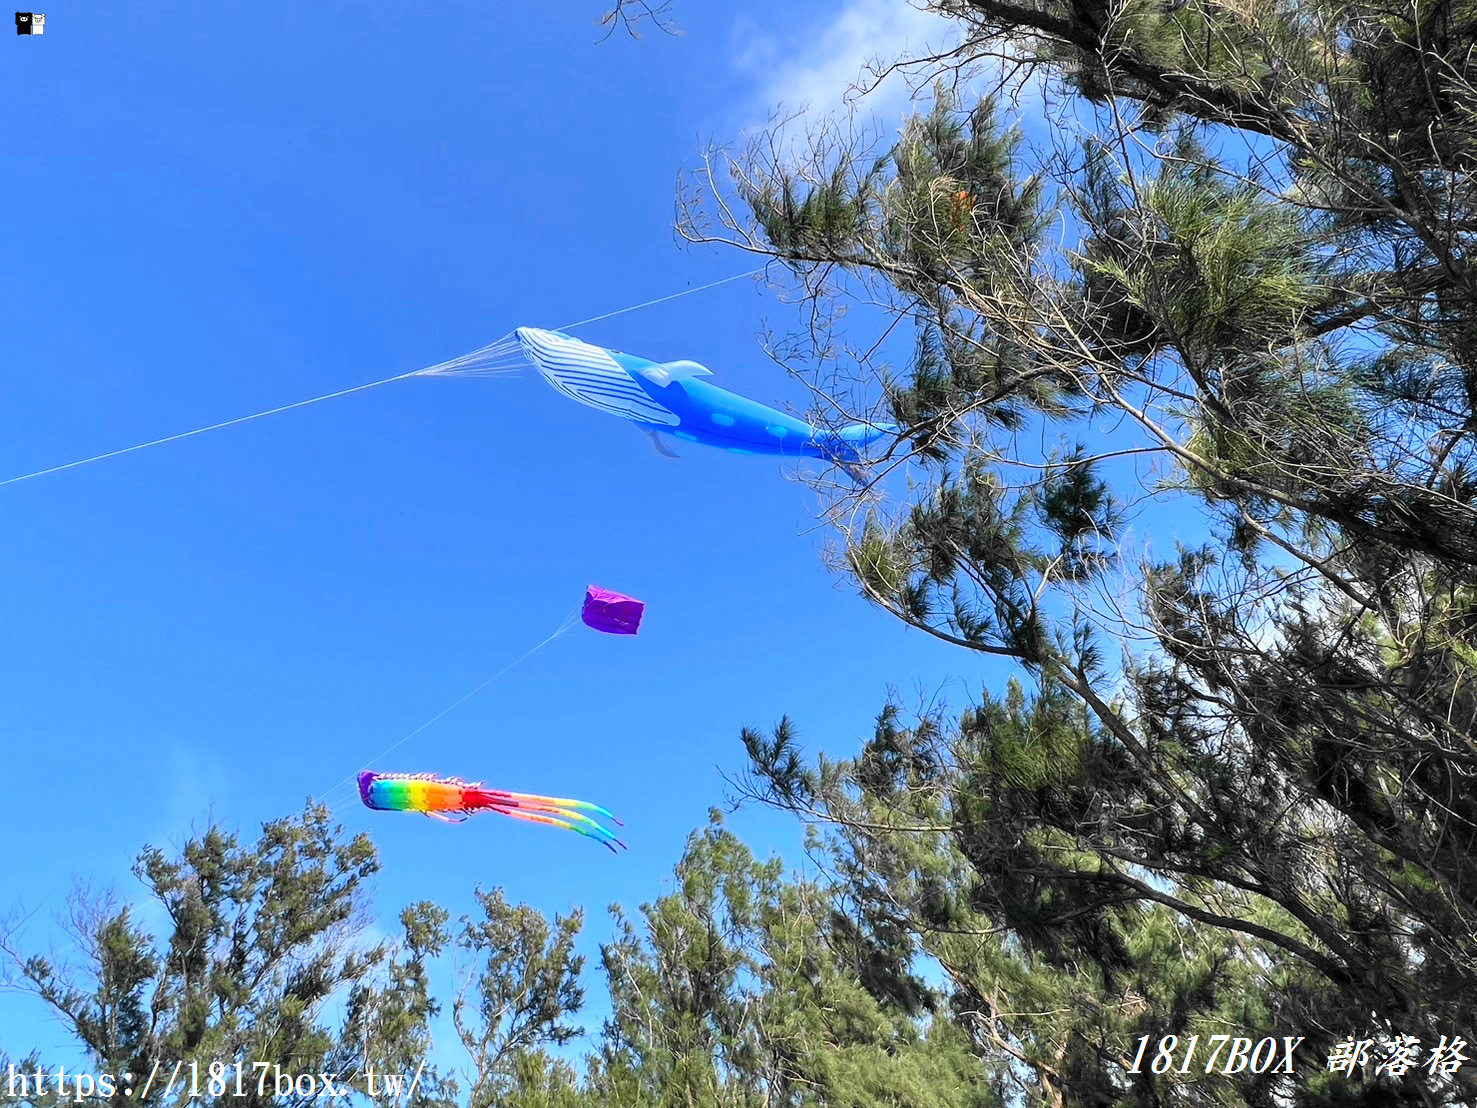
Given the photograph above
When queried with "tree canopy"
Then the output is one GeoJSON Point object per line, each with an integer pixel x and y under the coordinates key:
{"type": "Point", "coordinates": [1232, 281]}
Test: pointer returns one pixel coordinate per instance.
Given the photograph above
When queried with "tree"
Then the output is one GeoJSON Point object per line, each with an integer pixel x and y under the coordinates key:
{"type": "Point", "coordinates": [745, 987]}
{"type": "Point", "coordinates": [741, 993]}
{"type": "Point", "coordinates": [524, 988]}
{"type": "Point", "coordinates": [629, 15]}
{"type": "Point", "coordinates": [1264, 290]}
{"type": "Point", "coordinates": [259, 940]}
{"type": "Point", "coordinates": [392, 1013]}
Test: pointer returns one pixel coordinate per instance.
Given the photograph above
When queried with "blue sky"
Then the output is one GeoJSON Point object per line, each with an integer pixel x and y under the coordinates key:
{"type": "Point", "coordinates": [216, 210]}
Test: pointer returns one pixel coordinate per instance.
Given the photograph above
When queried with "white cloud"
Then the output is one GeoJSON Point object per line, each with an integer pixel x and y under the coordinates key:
{"type": "Point", "coordinates": [821, 69]}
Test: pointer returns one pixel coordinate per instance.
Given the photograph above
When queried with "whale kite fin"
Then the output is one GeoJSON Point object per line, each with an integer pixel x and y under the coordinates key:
{"type": "Point", "coordinates": [668, 372]}
{"type": "Point", "coordinates": [662, 448]}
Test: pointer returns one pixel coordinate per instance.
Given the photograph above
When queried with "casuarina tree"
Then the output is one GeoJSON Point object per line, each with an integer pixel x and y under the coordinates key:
{"type": "Point", "coordinates": [1213, 279]}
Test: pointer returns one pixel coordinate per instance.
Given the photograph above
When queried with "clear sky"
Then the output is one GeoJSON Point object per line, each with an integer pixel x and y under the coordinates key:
{"type": "Point", "coordinates": [215, 209]}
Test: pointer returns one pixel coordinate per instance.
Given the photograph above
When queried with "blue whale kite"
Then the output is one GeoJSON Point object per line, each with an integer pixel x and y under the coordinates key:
{"type": "Point", "coordinates": [667, 398]}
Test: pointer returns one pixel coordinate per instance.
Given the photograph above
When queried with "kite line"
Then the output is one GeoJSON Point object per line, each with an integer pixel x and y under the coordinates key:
{"type": "Point", "coordinates": [453, 799]}
{"type": "Point", "coordinates": [485, 360]}
{"type": "Point", "coordinates": [332, 801]}
{"type": "Point", "coordinates": [203, 430]}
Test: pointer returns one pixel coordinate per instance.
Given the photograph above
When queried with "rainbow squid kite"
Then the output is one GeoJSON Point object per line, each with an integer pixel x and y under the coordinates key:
{"type": "Point", "coordinates": [452, 800]}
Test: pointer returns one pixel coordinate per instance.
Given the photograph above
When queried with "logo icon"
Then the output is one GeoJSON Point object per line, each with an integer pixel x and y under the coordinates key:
{"type": "Point", "coordinates": [30, 23]}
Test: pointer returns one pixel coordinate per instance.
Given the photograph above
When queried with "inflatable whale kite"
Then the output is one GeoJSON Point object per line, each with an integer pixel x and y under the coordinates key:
{"type": "Point", "coordinates": [669, 398]}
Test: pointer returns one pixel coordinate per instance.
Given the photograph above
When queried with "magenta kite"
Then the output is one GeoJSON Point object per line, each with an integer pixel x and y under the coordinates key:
{"type": "Point", "coordinates": [611, 612]}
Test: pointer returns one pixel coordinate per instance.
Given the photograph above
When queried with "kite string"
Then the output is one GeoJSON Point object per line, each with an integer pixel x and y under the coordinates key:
{"type": "Point", "coordinates": [348, 391]}
{"type": "Point", "coordinates": [662, 299]}
{"type": "Point", "coordinates": [495, 358]}
{"type": "Point", "coordinates": [569, 622]}
{"type": "Point", "coordinates": [212, 427]}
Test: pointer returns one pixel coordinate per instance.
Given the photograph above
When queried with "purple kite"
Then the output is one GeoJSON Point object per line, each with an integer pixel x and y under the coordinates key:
{"type": "Point", "coordinates": [611, 612]}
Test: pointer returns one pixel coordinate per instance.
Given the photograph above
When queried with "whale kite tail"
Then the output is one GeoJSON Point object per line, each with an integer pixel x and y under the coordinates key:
{"type": "Point", "coordinates": [845, 447]}
{"type": "Point", "coordinates": [846, 444]}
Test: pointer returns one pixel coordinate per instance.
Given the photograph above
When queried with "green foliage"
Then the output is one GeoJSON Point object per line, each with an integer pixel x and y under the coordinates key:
{"type": "Point", "coordinates": [260, 939]}
{"type": "Point", "coordinates": [525, 989]}
{"type": "Point", "coordinates": [743, 986]}
{"type": "Point", "coordinates": [739, 989]}
{"type": "Point", "coordinates": [1216, 265]}
{"type": "Point", "coordinates": [1263, 295]}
